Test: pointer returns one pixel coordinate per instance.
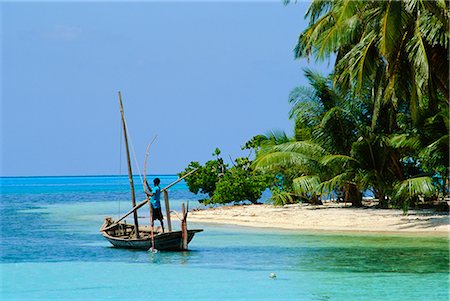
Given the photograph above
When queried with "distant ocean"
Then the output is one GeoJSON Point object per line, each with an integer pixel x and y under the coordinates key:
{"type": "Point", "coordinates": [51, 250]}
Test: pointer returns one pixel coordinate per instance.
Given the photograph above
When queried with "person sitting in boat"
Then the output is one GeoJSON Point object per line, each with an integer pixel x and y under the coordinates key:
{"type": "Point", "coordinates": [155, 202]}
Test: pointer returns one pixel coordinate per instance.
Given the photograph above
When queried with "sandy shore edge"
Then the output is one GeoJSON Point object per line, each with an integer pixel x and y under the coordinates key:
{"type": "Point", "coordinates": [327, 218]}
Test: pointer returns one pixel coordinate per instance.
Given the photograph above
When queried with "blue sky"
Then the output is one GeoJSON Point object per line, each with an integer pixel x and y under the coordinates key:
{"type": "Point", "coordinates": [200, 75]}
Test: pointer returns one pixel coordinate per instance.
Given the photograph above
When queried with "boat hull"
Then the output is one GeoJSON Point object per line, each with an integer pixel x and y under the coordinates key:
{"type": "Point", "coordinates": [168, 241]}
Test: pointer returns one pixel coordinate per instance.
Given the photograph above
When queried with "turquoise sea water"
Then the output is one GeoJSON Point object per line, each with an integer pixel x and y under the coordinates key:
{"type": "Point", "coordinates": [51, 250]}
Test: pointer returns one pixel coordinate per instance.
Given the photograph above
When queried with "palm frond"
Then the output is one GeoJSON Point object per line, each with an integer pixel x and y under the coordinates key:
{"type": "Point", "coordinates": [327, 187]}
{"type": "Point", "coordinates": [437, 151]}
{"type": "Point", "coordinates": [318, 8]}
{"type": "Point", "coordinates": [359, 63]}
{"type": "Point", "coordinates": [276, 137]}
{"type": "Point", "coordinates": [306, 148]}
{"type": "Point", "coordinates": [308, 39]}
{"type": "Point", "coordinates": [277, 160]}
{"type": "Point", "coordinates": [306, 184]}
{"type": "Point", "coordinates": [338, 160]}
{"type": "Point", "coordinates": [280, 198]}
{"type": "Point", "coordinates": [414, 187]}
{"type": "Point", "coordinates": [392, 28]}
{"type": "Point", "coordinates": [405, 141]}
{"type": "Point", "coordinates": [433, 30]}
{"type": "Point", "coordinates": [418, 57]}
{"type": "Point", "coordinates": [343, 29]}
{"type": "Point", "coordinates": [306, 107]}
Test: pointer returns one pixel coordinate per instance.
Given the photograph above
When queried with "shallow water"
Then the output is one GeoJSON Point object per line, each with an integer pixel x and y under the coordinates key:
{"type": "Point", "coordinates": [51, 250]}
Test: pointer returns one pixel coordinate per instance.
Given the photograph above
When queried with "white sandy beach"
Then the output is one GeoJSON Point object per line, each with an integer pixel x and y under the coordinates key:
{"type": "Point", "coordinates": [330, 217]}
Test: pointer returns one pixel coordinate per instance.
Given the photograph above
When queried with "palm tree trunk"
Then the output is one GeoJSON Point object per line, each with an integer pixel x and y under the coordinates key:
{"type": "Point", "coordinates": [380, 196]}
{"type": "Point", "coordinates": [353, 195]}
{"type": "Point", "coordinates": [383, 201]}
{"type": "Point", "coordinates": [446, 186]}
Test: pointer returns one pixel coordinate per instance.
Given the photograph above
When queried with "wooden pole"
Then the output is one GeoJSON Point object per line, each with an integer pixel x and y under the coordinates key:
{"type": "Point", "coordinates": [130, 172]}
{"type": "Point", "coordinates": [151, 225]}
{"type": "Point", "coordinates": [184, 234]}
{"type": "Point", "coordinates": [166, 202]}
{"type": "Point", "coordinates": [126, 215]}
{"type": "Point", "coordinates": [178, 180]}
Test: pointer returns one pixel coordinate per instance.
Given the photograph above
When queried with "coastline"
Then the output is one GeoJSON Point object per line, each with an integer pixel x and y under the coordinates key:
{"type": "Point", "coordinates": [328, 218]}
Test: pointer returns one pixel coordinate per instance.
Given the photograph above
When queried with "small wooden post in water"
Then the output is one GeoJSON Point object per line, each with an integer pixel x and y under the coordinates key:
{"type": "Point", "coordinates": [184, 234]}
{"type": "Point", "coordinates": [166, 201]}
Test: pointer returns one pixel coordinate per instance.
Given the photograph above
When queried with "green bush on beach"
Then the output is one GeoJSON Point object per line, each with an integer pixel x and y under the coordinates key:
{"type": "Point", "coordinates": [226, 185]}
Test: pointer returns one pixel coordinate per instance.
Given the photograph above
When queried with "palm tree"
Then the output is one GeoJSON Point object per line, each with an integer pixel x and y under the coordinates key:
{"type": "Point", "coordinates": [393, 56]}
{"type": "Point", "coordinates": [399, 46]}
{"type": "Point", "coordinates": [323, 127]}
{"type": "Point", "coordinates": [336, 150]}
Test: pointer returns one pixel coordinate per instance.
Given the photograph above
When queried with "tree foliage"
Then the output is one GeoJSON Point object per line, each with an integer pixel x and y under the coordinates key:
{"type": "Point", "coordinates": [380, 121]}
{"type": "Point", "coordinates": [227, 185]}
{"type": "Point", "coordinates": [344, 155]}
{"type": "Point", "coordinates": [204, 180]}
{"type": "Point", "coordinates": [399, 46]}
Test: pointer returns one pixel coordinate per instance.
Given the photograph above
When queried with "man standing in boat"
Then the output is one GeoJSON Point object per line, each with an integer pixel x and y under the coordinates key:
{"type": "Point", "coordinates": [155, 202]}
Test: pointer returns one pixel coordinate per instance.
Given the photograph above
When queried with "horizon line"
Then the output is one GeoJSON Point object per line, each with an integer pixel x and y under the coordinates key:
{"type": "Point", "coordinates": [99, 175]}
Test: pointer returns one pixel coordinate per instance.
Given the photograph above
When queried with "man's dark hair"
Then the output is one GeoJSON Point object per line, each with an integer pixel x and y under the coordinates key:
{"type": "Point", "coordinates": [156, 181]}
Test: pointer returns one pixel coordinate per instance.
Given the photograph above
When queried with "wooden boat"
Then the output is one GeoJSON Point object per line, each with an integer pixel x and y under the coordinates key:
{"type": "Point", "coordinates": [132, 236]}
{"type": "Point", "coordinates": [119, 237]}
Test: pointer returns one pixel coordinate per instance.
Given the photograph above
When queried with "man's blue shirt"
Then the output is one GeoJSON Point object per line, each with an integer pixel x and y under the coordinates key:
{"type": "Point", "coordinates": [156, 197]}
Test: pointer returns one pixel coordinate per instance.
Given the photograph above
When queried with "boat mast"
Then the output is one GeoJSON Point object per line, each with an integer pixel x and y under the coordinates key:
{"type": "Point", "coordinates": [130, 173]}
